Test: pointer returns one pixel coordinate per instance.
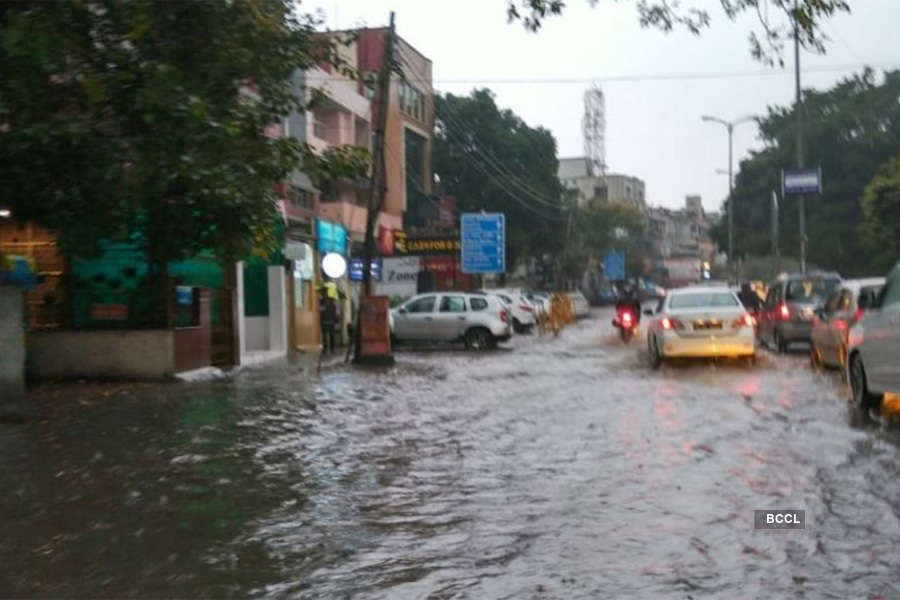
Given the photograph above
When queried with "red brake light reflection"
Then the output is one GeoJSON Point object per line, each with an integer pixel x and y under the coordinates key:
{"type": "Point", "coordinates": [784, 313]}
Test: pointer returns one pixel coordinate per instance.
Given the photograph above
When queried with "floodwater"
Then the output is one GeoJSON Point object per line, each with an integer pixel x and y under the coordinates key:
{"type": "Point", "coordinates": [554, 468]}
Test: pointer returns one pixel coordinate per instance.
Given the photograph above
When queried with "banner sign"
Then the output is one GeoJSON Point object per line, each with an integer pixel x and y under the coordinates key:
{"type": "Point", "coordinates": [356, 269]}
{"type": "Point", "coordinates": [801, 181]}
{"type": "Point", "coordinates": [614, 265]}
{"type": "Point", "coordinates": [435, 244]}
{"type": "Point", "coordinates": [331, 237]}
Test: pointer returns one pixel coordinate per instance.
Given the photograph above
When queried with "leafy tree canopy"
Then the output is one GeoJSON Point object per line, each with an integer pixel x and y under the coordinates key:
{"type": "Point", "coordinates": [881, 215]}
{"type": "Point", "coordinates": [490, 159]}
{"type": "Point", "coordinates": [776, 19]}
{"type": "Point", "coordinates": [149, 115]}
{"type": "Point", "coordinates": [851, 129]}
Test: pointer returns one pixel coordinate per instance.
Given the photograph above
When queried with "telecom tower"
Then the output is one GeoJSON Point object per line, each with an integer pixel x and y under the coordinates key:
{"type": "Point", "coordinates": [593, 130]}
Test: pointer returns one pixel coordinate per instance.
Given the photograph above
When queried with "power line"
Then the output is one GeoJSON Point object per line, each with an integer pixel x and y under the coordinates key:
{"type": "Point", "coordinates": [643, 76]}
{"type": "Point", "coordinates": [451, 116]}
{"type": "Point", "coordinates": [504, 171]}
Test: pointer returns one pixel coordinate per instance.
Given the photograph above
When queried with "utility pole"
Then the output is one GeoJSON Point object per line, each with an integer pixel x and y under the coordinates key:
{"type": "Point", "coordinates": [799, 109]}
{"type": "Point", "coordinates": [729, 126]}
{"type": "Point", "coordinates": [378, 183]}
{"type": "Point", "coordinates": [776, 253]}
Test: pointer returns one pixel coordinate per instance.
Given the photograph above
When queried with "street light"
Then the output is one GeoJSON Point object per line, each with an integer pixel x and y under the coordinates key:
{"type": "Point", "coordinates": [729, 125]}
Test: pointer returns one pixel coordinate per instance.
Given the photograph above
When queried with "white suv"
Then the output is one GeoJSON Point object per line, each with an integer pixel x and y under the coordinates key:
{"type": "Point", "coordinates": [478, 320]}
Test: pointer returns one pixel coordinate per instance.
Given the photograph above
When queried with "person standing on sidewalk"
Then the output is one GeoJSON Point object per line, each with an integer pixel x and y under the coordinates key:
{"type": "Point", "coordinates": [327, 320]}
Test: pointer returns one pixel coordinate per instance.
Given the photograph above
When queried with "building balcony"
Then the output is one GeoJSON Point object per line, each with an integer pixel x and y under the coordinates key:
{"type": "Point", "coordinates": [352, 214]}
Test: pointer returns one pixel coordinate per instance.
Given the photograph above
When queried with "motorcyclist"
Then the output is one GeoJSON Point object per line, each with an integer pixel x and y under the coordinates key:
{"type": "Point", "coordinates": [629, 300]}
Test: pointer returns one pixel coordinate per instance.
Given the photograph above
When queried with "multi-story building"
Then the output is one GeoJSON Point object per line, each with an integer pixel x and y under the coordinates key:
{"type": "Point", "coordinates": [409, 127]}
{"type": "Point", "coordinates": [575, 174]}
{"type": "Point", "coordinates": [679, 235]}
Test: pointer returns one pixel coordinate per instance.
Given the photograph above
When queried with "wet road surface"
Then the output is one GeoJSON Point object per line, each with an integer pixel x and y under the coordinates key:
{"type": "Point", "coordinates": [558, 468]}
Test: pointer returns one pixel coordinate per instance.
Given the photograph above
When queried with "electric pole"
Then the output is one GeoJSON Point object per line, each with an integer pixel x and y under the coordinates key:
{"type": "Point", "coordinates": [378, 182]}
{"type": "Point", "coordinates": [799, 109]}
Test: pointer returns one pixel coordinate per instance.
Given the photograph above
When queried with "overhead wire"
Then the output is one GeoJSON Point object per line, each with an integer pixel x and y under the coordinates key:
{"type": "Point", "coordinates": [646, 76]}
{"type": "Point", "coordinates": [513, 178]}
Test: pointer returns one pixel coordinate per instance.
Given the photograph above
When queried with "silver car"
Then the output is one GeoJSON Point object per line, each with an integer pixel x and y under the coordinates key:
{"type": "Point", "coordinates": [479, 320]}
{"type": "Point", "coordinates": [874, 347]}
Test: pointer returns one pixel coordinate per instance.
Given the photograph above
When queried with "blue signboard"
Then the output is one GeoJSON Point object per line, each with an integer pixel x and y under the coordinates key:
{"type": "Point", "coordinates": [614, 265]}
{"type": "Point", "coordinates": [331, 237]}
{"type": "Point", "coordinates": [483, 237]}
{"type": "Point", "coordinates": [356, 269]}
{"type": "Point", "coordinates": [796, 182]}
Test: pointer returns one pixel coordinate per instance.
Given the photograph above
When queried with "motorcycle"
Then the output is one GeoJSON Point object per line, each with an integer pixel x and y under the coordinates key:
{"type": "Point", "coordinates": [626, 322]}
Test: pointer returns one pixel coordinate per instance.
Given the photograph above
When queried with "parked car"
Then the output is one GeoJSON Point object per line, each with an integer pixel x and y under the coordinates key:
{"type": "Point", "coordinates": [582, 307]}
{"type": "Point", "coordinates": [700, 321]}
{"type": "Point", "coordinates": [874, 347]}
{"type": "Point", "coordinates": [479, 320]}
{"type": "Point", "coordinates": [832, 322]}
{"type": "Point", "coordinates": [540, 299]}
{"type": "Point", "coordinates": [787, 314]}
{"type": "Point", "coordinates": [521, 309]}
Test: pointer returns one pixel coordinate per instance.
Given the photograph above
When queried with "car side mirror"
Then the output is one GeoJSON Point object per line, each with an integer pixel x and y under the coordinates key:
{"type": "Point", "coordinates": [401, 310]}
{"type": "Point", "coordinates": [648, 312]}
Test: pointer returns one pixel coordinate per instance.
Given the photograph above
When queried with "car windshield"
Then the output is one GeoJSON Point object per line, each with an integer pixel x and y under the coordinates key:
{"type": "Point", "coordinates": [702, 300]}
{"type": "Point", "coordinates": [810, 290]}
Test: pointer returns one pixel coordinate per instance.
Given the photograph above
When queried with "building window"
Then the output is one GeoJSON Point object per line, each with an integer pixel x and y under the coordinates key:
{"type": "Point", "coordinates": [299, 197]}
{"type": "Point", "coordinates": [411, 101]}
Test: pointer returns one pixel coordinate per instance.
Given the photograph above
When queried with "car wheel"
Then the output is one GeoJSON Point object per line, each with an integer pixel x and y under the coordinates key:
{"type": "Point", "coordinates": [653, 351]}
{"type": "Point", "coordinates": [780, 345]}
{"type": "Point", "coordinates": [860, 387]}
{"type": "Point", "coordinates": [479, 339]}
{"type": "Point", "coordinates": [518, 327]}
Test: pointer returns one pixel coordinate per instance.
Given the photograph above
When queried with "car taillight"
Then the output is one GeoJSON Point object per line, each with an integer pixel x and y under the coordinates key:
{"type": "Point", "coordinates": [746, 320]}
{"type": "Point", "coordinates": [670, 323]}
{"type": "Point", "coordinates": [784, 313]}
{"type": "Point", "coordinates": [503, 315]}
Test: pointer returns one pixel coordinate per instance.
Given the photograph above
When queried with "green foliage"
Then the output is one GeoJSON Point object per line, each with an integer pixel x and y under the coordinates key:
{"type": "Point", "coordinates": [767, 44]}
{"type": "Point", "coordinates": [851, 129]}
{"type": "Point", "coordinates": [137, 116]}
{"type": "Point", "coordinates": [880, 228]}
{"type": "Point", "coordinates": [594, 232]}
{"type": "Point", "coordinates": [490, 159]}
{"type": "Point", "coordinates": [336, 163]}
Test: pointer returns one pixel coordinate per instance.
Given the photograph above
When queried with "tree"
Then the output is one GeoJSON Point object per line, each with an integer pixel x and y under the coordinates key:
{"type": "Point", "coordinates": [767, 44]}
{"type": "Point", "coordinates": [600, 227]}
{"type": "Point", "coordinates": [490, 159]}
{"type": "Point", "coordinates": [881, 215]}
{"type": "Point", "coordinates": [148, 117]}
{"type": "Point", "coordinates": [851, 130]}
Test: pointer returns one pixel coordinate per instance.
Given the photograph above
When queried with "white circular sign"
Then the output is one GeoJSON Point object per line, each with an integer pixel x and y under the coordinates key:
{"type": "Point", "coordinates": [334, 265]}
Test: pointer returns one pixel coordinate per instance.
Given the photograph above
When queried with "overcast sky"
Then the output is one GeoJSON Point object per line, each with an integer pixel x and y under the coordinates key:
{"type": "Point", "coordinates": [654, 129]}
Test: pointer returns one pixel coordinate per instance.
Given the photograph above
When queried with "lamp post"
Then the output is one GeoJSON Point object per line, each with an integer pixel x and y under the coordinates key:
{"type": "Point", "coordinates": [729, 126]}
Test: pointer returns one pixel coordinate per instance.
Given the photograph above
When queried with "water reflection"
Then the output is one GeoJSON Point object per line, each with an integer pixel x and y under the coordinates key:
{"type": "Point", "coordinates": [549, 471]}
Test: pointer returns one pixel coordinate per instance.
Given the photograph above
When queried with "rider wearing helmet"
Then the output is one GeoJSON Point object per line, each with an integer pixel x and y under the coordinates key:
{"type": "Point", "coordinates": [629, 300]}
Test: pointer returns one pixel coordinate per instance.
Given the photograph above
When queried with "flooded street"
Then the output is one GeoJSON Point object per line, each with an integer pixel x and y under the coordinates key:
{"type": "Point", "coordinates": [559, 468]}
